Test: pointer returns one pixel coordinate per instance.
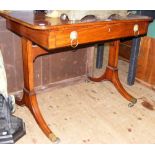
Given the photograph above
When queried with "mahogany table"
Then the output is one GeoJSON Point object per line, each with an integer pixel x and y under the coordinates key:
{"type": "Point", "coordinates": [50, 34]}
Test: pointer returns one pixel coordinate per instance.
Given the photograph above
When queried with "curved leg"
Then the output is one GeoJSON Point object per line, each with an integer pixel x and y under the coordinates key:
{"type": "Point", "coordinates": [115, 80]}
{"type": "Point", "coordinates": [111, 72]}
{"type": "Point", "coordinates": [29, 97]}
{"type": "Point", "coordinates": [98, 79]}
{"type": "Point", "coordinates": [31, 102]}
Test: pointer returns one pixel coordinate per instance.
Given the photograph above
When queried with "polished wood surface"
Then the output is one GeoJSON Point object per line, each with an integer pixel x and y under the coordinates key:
{"type": "Point", "coordinates": [29, 96]}
{"type": "Point", "coordinates": [111, 72]}
{"type": "Point", "coordinates": [55, 34]}
{"type": "Point", "coordinates": [41, 21]}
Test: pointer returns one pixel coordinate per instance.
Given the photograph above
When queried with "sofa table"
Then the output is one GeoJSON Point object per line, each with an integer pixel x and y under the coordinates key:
{"type": "Point", "coordinates": [43, 35]}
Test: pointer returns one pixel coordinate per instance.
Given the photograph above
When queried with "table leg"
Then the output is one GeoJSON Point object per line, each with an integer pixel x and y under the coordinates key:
{"type": "Point", "coordinates": [111, 72]}
{"type": "Point", "coordinates": [29, 97]}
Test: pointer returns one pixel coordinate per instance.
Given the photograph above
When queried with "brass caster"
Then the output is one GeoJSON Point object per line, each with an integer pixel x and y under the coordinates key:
{"type": "Point", "coordinates": [132, 103]}
{"type": "Point", "coordinates": [57, 141]}
{"type": "Point", "coordinates": [54, 139]}
{"type": "Point", "coordinates": [134, 100]}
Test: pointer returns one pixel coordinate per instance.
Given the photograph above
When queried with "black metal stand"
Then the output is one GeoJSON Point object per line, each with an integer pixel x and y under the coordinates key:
{"type": "Point", "coordinates": [17, 130]}
{"type": "Point", "coordinates": [11, 127]}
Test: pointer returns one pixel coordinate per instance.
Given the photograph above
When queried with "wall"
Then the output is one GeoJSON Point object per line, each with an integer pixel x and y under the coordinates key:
{"type": "Point", "coordinates": [49, 69]}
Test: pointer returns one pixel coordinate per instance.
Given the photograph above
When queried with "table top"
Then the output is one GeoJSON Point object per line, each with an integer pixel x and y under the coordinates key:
{"type": "Point", "coordinates": [52, 33]}
{"type": "Point", "coordinates": [41, 21]}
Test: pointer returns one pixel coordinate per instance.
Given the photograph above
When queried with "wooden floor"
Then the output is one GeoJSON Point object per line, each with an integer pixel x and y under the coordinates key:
{"type": "Point", "coordinates": [91, 112]}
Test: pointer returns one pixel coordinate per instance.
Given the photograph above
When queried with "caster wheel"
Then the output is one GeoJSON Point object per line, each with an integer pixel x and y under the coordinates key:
{"type": "Point", "coordinates": [54, 139]}
{"type": "Point", "coordinates": [132, 103]}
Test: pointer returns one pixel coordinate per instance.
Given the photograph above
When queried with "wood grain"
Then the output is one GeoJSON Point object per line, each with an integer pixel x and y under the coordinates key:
{"type": "Point", "coordinates": [58, 36]}
{"type": "Point", "coordinates": [125, 49]}
{"type": "Point", "coordinates": [101, 32]}
{"type": "Point", "coordinates": [14, 68]}
{"type": "Point", "coordinates": [53, 33]}
{"type": "Point", "coordinates": [146, 61]}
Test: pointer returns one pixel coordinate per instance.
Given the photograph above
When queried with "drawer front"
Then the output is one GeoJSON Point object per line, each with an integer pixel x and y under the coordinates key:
{"type": "Point", "coordinates": [95, 33]}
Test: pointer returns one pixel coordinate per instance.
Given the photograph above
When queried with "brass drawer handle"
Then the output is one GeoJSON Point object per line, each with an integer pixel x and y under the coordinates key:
{"type": "Point", "coordinates": [136, 29]}
{"type": "Point", "coordinates": [74, 39]}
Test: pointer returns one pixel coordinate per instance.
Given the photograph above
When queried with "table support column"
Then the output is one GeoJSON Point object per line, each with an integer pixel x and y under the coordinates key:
{"type": "Point", "coordinates": [111, 72]}
{"type": "Point", "coordinates": [29, 97]}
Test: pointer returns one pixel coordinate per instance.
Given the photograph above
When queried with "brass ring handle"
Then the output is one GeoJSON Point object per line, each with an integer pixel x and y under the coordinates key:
{"type": "Point", "coordinates": [136, 29]}
{"type": "Point", "coordinates": [74, 39]}
{"type": "Point", "coordinates": [74, 43]}
{"type": "Point", "coordinates": [136, 33]}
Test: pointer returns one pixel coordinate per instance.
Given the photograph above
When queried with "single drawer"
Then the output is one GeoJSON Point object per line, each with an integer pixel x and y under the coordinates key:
{"type": "Point", "coordinates": [99, 32]}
